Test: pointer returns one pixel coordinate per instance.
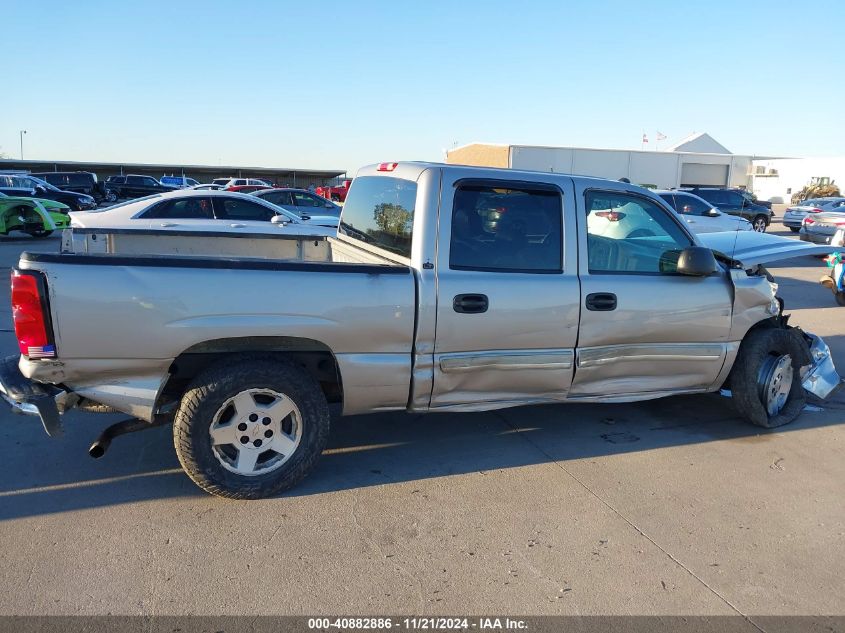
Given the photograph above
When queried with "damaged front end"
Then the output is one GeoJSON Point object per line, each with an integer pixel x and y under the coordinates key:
{"type": "Point", "coordinates": [819, 378]}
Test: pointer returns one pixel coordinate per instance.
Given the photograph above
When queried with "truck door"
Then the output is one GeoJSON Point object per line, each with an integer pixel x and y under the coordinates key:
{"type": "Point", "coordinates": [644, 328]}
{"type": "Point", "coordinates": [508, 294]}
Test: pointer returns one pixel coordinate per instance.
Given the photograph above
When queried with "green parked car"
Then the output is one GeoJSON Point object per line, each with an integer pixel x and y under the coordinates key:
{"type": "Point", "coordinates": [35, 216]}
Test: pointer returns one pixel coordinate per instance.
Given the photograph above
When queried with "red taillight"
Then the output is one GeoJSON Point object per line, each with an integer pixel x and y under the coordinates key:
{"type": "Point", "coordinates": [29, 312]}
{"type": "Point", "coordinates": [387, 166]}
{"type": "Point", "coordinates": [814, 211]}
{"type": "Point", "coordinates": [809, 221]}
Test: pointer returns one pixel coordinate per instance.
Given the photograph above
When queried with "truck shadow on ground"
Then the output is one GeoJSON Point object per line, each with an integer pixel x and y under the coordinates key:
{"type": "Point", "coordinates": [44, 476]}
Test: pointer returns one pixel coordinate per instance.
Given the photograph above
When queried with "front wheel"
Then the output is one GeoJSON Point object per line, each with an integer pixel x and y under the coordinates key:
{"type": "Point", "coordinates": [766, 377]}
{"type": "Point", "coordinates": [759, 223]}
{"type": "Point", "coordinates": [252, 428]}
{"type": "Point", "coordinates": [110, 196]}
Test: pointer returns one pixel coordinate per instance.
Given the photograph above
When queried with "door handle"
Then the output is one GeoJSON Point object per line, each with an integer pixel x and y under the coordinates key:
{"type": "Point", "coordinates": [167, 224]}
{"type": "Point", "coordinates": [470, 304]}
{"type": "Point", "coordinates": [237, 226]}
{"type": "Point", "coordinates": [601, 301]}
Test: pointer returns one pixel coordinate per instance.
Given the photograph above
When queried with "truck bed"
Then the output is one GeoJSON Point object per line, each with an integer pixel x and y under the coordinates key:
{"type": "Point", "coordinates": [127, 317]}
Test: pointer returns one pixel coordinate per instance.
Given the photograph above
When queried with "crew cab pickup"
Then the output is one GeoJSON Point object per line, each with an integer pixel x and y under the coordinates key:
{"type": "Point", "coordinates": [447, 288]}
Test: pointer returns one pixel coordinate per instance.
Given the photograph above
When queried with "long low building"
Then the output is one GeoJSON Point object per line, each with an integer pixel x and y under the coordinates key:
{"type": "Point", "coordinates": [282, 176]}
{"type": "Point", "coordinates": [696, 161]}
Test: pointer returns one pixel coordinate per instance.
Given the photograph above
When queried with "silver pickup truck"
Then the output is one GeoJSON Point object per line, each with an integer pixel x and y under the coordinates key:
{"type": "Point", "coordinates": [447, 288]}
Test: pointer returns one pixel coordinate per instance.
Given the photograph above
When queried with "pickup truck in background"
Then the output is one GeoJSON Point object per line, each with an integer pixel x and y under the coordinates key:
{"type": "Point", "coordinates": [447, 288]}
{"type": "Point", "coordinates": [335, 194]}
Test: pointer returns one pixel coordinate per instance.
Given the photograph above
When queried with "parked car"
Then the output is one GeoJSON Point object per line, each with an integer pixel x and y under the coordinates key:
{"type": "Point", "coordinates": [83, 182]}
{"type": "Point", "coordinates": [234, 184]}
{"type": "Point", "coordinates": [134, 186]}
{"type": "Point", "coordinates": [246, 188]}
{"type": "Point", "coordinates": [32, 187]}
{"type": "Point", "coordinates": [180, 182]}
{"type": "Point", "coordinates": [306, 205]}
{"type": "Point", "coordinates": [34, 216]}
{"type": "Point", "coordinates": [335, 194]}
{"type": "Point", "coordinates": [191, 210]}
{"type": "Point", "coordinates": [207, 187]}
{"type": "Point", "coordinates": [794, 216]}
{"type": "Point", "coordinates": [820, 228]}
{"type": "Point", "coordinates": [414, 306]}
{"type": "Point", "coordinates": [221, 182]}
{"type": "Point", "coordinates": [736, 202]}
{"type": "Point", "coordinates": [700, 215]}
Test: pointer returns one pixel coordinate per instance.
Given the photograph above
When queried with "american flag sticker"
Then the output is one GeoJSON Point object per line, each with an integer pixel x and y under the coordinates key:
{"type": "Point", "coordinates": [47, 351]}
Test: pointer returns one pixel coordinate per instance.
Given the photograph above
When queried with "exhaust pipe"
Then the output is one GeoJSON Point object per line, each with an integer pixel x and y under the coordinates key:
{"type": "Point", "coordinates": [132, 425]}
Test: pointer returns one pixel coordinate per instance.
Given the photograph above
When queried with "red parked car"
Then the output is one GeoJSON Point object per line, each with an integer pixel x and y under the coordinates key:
{"type": "Point", "coordinates": [335, 194]}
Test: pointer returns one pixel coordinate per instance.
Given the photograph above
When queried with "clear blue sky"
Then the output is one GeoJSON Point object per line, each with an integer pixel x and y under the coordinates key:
{"type": "Point", "coordinates": [342, 84]}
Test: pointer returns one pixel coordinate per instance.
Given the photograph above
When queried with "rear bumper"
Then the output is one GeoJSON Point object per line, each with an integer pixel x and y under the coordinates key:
{"type": "Point", "coordinates": [31, 398]}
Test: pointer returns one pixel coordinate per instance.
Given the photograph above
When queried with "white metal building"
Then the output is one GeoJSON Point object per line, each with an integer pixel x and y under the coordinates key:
{"type": "Point", "coordinates": [697, 160]}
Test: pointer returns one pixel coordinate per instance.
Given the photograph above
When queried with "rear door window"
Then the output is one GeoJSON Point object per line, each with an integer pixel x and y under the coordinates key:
{"type": "Point", "coordinates": [183, 209]}
{"type": "Point", "coordinates": [281, 198]}
{"type": "Point", "coordinates": [506, 229]}
{"type": "Point", "coordinates": [236, 209]}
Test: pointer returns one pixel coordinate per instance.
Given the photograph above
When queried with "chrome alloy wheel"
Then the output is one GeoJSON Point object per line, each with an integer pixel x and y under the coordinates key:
{"type": "Point", "coordinates": [759, 225]}
{"type": "Point", "coordinates": [774, 382]}
{"type": "Point", "coordinates": [256, 432]}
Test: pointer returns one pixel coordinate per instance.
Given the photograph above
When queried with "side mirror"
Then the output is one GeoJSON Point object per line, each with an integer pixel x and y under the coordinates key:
{"type": "Point", "coordinates": [279, 219]}
{"type": "Point", "coordinates": [304, 217]}
{"type": "Point", "coordinates": [713, 213]}
{"type": "Point", "coordinates": [696, 261]}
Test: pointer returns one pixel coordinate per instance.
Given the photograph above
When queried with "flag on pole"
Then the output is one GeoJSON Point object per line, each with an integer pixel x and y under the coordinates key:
{"type": "Point", "coordinates": [661, 136]}
{"type": "Point", "coordinates": [645, 138]}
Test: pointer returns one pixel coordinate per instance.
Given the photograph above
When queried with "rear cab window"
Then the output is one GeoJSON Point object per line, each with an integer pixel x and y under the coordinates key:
{"type": "Point", "coordinates": [379, 211]}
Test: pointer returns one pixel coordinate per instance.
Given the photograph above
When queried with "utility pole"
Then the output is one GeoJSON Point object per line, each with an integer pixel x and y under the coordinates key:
{"type": "Point", "coordinates": [22, 133]}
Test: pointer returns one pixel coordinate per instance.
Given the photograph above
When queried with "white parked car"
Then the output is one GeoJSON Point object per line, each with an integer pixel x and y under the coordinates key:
{"type": "Point", "coordinates": [701, 216]}
{"type": "Point", "coordinates": [191, 210]}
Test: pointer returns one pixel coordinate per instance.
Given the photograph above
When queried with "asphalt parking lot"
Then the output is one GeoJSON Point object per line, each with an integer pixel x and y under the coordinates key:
{"type": "Point", "coordinates": [672, 506]}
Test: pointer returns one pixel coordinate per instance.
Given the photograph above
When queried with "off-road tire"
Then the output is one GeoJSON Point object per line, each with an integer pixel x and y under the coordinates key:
{"type": "Point", "coordinates": [206, 394]}
{"type": "Point", "coordinates": [753, 351]}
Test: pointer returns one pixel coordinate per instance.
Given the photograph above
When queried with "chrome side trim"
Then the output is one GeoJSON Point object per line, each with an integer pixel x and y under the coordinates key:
{"type": "Point", "coordinates": [597, 356]}
{"type": "Point", "coordinates": [518, 359]}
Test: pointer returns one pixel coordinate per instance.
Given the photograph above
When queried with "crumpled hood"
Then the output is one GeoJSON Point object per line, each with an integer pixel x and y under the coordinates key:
{"type": "Point", "coordinates": [752, 248]}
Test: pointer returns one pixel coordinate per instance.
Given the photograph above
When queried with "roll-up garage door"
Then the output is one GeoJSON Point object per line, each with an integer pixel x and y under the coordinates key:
{"type": "Point", "coordinates": [704, 175]}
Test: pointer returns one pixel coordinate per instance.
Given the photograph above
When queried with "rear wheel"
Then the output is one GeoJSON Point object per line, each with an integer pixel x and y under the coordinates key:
{"type": "Point", "coordinates": [252, 428]}
{"type": "Point", "coordinates": [794, 229]}
{"type": "Point", "coordinates": [111, 195]}
{"type": "Point", "coordinates": [759, 223]}
{"type": "Point", "coordinates": [766, 377]}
